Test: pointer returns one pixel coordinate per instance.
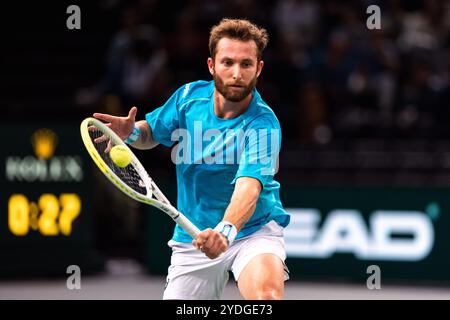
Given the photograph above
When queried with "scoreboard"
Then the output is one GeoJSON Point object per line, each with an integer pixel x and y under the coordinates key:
{"type": "Point", "coordinates": [45, 201]}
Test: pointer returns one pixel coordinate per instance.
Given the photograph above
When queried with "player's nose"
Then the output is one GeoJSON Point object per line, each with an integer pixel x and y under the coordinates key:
{"type": "Point", "coordinates": [237, 74]}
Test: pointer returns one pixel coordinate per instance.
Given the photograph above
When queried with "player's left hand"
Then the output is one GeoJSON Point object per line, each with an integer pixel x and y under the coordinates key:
{"type": "Point", "coordinates": [211, 242]}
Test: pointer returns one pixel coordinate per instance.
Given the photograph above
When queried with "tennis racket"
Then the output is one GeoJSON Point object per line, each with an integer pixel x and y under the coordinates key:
{"type": "Point", "coordinates": [133, 180]}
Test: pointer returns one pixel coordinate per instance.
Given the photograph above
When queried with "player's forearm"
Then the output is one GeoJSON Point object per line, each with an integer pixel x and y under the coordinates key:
{"type": "Point", "coordinates": [243, 202]}
{"type": "Point", "coordinates": [145, 140]}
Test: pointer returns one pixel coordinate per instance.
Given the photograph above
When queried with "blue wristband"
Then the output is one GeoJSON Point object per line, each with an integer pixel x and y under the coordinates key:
{"type": "Point", "coordinates": [133, 136]}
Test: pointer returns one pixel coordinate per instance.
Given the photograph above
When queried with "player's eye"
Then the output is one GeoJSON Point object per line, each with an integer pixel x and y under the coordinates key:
{"type": "Point", "coordinates": [228, 63]}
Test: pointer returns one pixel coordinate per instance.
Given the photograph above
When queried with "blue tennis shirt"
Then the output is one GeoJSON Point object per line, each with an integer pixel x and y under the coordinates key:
{"type": "Point", "coordinates": [211, 153]}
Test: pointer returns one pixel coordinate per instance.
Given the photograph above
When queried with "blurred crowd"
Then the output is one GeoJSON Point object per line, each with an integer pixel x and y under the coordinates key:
{"type": "Point", "coordinates": [326, 74]}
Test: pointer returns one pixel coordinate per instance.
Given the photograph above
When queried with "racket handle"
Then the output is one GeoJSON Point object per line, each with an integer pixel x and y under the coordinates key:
{"type": "Point", "coordinates": [187, 225]}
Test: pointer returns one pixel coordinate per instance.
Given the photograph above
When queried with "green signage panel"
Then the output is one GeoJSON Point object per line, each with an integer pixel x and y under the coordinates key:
{"type": "Point", "coordinates": [340, 232]}
{"type": "Point", "coordinates": [337, 233]}
{"type": "Point", "coordinates": [45, 201]}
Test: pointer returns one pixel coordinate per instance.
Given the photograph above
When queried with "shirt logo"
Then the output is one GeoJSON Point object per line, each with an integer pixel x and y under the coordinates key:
{"type": "Point", "coordinates": [186, 90]}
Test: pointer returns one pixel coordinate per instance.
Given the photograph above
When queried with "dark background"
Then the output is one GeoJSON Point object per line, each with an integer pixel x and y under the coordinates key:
{"type": "Point", "coordinates": [357, 107]}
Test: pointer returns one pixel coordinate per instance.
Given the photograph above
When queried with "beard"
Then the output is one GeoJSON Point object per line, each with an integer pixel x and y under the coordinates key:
{"type": "Point", "coordinates": [229, 94]}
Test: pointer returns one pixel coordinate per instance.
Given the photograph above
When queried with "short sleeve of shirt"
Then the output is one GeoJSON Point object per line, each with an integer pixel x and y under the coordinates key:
{"type": "Point", "coordinates": [261, 147]}
{"type": "Point", "coordinates": [165, 119]}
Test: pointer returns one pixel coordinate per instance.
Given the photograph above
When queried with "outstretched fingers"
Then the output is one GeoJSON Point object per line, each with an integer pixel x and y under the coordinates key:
{"type": "Point", "coordinates": [132, 113]}
{"type": "Point", "coordinates": [104, 117]}
{"type": "Point", "coordinates": [101, 139]}
{"type": "Point", "coordinates": [109, 146]}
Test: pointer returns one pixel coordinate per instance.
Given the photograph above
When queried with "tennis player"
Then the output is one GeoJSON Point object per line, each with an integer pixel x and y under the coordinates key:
{"type": "Point", "coordinates": [234, 200]}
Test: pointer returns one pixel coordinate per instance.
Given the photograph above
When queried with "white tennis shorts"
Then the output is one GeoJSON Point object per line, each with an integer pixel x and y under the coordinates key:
{"type": "Point", "coordinates": [193, 276]}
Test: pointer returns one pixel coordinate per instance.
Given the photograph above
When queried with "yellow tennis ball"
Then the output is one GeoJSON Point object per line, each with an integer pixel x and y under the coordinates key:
{"type": "Point", "coordinates": [120, 156]}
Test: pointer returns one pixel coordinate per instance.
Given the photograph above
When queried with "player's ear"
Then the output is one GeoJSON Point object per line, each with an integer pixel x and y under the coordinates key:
{"type": "Point", "coordinates": [260, 66]}
{"type": "Point", "coordinates": [210, 63]}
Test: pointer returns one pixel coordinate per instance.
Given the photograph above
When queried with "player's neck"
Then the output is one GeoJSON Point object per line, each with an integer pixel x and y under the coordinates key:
{"type": "Point", "coordinates": [226, 109]}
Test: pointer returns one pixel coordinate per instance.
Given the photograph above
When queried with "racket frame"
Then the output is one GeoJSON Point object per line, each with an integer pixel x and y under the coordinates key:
{"type": "Point", "coordinates": [161, 202]}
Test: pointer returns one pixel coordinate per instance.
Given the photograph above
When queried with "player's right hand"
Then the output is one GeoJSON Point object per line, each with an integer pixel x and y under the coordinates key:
{"type": "Point", "coordinates": [122, 126]}
{"type": "Point", "coordinates": [211, 242]}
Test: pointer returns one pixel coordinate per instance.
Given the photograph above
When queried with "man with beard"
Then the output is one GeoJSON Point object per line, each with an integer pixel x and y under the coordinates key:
{"type": "Point", "coordinates": [225, 164]}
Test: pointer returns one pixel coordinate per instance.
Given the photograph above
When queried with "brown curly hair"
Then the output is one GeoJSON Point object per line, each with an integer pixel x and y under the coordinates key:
{"type": "Point", "coordinates": [238, 29]}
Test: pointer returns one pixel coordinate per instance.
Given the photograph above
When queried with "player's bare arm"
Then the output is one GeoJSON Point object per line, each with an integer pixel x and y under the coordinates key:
{"type": "Point", "coordinates": [239, 211]}
{"type": "Point", "coordinates": [243, 201]}
{"type": "Point", "coordinates": [123, 127]}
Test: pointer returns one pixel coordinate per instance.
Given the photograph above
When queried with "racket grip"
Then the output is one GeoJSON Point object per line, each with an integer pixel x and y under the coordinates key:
{"type": "Point", "coordinates": [187, 225]}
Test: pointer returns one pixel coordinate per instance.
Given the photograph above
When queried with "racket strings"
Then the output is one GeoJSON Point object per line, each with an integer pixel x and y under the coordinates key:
{"type": "Point", "coordinates": [128, 174]}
